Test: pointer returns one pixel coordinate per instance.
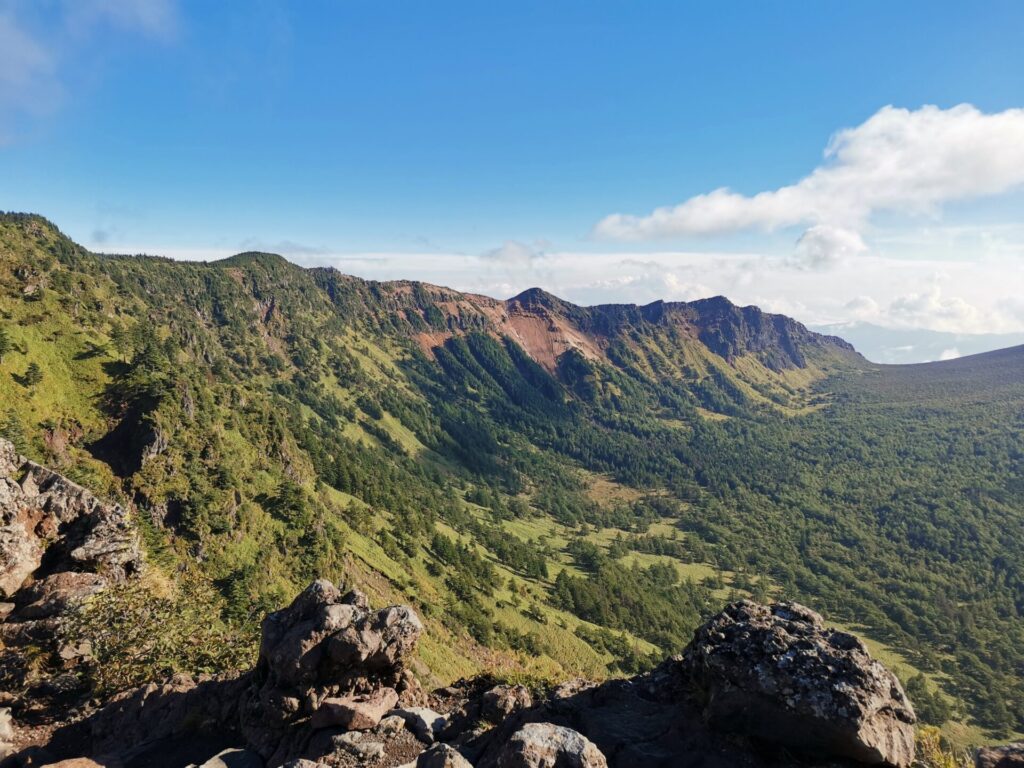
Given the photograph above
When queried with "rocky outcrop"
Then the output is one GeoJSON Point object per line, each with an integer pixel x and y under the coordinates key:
{"type": "Point", "coordinates": [134, 719]}
{"type": "Point", "coordinates": [776, 673]}
{"type": "Point", "coordinates": [322, 648]}
{"type": "Point", "coordinates": [59, 544]}
{"type": "Point", "coordinates": [49, 523]}
{"type": "Point", "coordinates": [329, 675]}
{"type": "Point", "coordinates": [779, 342]}
{"type": "Point", "coordinates": [730, 331]}
{"type": "Point", "coordinates": [758, 687]}
{"type": "Point", "coordinates": [497, 704]}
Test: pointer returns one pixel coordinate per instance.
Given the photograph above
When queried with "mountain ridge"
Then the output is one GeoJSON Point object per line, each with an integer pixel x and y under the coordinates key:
{"type": "Point", "coordinates": [557, 489]}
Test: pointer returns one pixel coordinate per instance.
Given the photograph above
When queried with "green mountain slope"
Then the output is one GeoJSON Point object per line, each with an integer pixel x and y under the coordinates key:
{"type": "Point", "coordinates": [557, 488]}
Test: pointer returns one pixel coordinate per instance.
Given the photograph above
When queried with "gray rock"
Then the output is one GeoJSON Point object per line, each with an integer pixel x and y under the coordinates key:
{"type": "Point", "coordinates": [442, 756]}
{"type": "Point", "coordinates": [326, 648]}
{"type": "Point", "coordinates": [20, 552]}
{"type": "Point", "coordinates": [166, 710]}
{"type": "Point", "coordinates": [6, 726]}
{"type": "Point", "coordinates": [96, 536]}
{"type": "Point", "coordinates": [59, 544]}
{"type": "Point", "coordinates": [356, 713]}
{"type": "Point", "coordinates": [543, 745]}
{"type": "Point", "coordinates": [10, 461]}
{"type": "Point", "coordinates": [504, 700]}
{"type": "Point", "coordinates": [234, 758]}
{"type": "Point", "coordinates": [572, 687]}
{"type": "Point", "coordinates": [45, 515]}
{"type": "Point", "coordinates": [390, 725]}
{"type": "Point", "coordinates": [1006, 756]}
{"type": "Point", "coordinates": [356, 743]}
{"type": "Point", "coordinates": [424, 723]}
{"type": "Point", "coordinates": [776, 673]}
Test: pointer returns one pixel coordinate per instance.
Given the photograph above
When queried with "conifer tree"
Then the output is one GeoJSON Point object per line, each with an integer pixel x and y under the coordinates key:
{"type": "Point", "coordinates": [13, 430]}
{"type": "Point", "coordinates": [33, 374]}
{"type": "Point", "coordinates": [6, 345]}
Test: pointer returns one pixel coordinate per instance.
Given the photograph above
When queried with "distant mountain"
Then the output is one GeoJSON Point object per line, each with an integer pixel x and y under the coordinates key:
{"type": "Point", "coordinates": [557, 489]}
{"type": "Point", "coordinates": [898, 346]}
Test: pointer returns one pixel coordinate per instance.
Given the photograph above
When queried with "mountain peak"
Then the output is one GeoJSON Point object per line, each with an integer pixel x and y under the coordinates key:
{"type": "Point", "coordinates": [270, 260]}
{"type": "Point", "coordinates": [535, 297]}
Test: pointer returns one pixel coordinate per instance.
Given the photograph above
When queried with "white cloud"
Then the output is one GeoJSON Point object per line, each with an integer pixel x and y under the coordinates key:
{"type": "Point", "coordinates": [26, 70]}
{"type": "Point", "coordinates": [641, 282]}
{"type": "Point", "coordinates": [1012, 307]}
{"type": "Point", "coordinates": [902, 161]}
{"type": "Point", "coordinates": [863, 308]}
{"type": "Point", "coordinates": [949, 354]}
{"type": "Point", "coordinates": [823, 246]}
{"type": "Point", "coordinates": [36, 57]}
{"type": "Point", "coordinates": [932, 309]}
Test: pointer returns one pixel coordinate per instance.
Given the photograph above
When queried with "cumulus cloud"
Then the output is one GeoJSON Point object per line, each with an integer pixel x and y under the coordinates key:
{"type": "Point", "coordinates": [949, 354]}
{"type": "Point", "coordinates": [643, 282]}
{"type": "Point", "coordinates": [899, 160]}
{"type": "Point", "coordinates": [863, 308]}
{"type": "Point", "coordinates": [931, 308]}
{"type": "Point", "coordinates": [823, 246]}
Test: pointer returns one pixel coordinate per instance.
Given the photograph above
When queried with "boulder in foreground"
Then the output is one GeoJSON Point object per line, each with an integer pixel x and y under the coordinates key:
{"type": "Point", "coordinates": [327, 648]}
{"type": "Point", "coordinates": [777, 674]}
{"type": "Point", "coordinates": [543, 745]}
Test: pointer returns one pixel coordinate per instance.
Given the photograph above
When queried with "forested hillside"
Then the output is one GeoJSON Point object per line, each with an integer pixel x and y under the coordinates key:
{"type": "Point", "coordinates": [555, 488]}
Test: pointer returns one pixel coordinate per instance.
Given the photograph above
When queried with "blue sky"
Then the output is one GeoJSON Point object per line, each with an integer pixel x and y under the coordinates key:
{"type": "Point", "coordinates": [486, 144]}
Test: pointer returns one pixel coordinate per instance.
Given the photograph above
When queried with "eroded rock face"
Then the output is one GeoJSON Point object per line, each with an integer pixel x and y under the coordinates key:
{"type": "Point", "coordinates": [326, 645]}
{"type": "Point", "coordinates": [776, 673]}
{"type": "Point", "coordinates": [59, 544]}
{"type": "Point", "coordinates": [55, 595]}
{"type": "Point", "coordinates": [43, 515]}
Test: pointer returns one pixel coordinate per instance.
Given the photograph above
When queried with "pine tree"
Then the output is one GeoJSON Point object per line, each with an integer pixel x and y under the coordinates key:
{"type": "Point", "coordinates": [122, 341]}
{"type": "Point", "coordinates": [6, 345]}
{"type": "Point", "coordinates": [33, 374]}
{"type": "Point", "coordinates": [13, 430]}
